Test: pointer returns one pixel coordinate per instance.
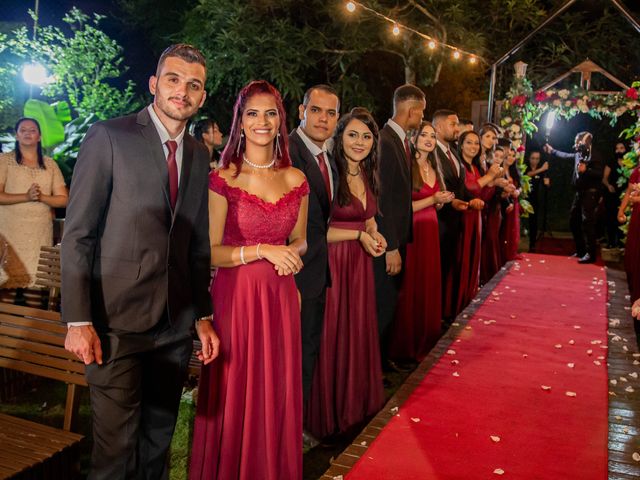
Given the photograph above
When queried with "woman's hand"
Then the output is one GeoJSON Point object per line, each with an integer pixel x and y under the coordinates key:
{"type": "Point", "coordinates": [377, 236]}
{"type": "Point", "coordinates": [501, 182]}
{"type": "Point", "coordinates": [622, 218]}
{"type": "Point", "coordinates": [34, 193]}
{"type": "Point", "coordinates": [371, 245]}
{"type": "Point", "coordinates": [459, 205]}
{"type": "Point", "coordinates": [443, 197]}
{"type": "Point", "coordinates": [495, 170]}
{"type": "Point", "coordinates": [476, 204]}
{"type": "Point", "coordinates": [285, 259]}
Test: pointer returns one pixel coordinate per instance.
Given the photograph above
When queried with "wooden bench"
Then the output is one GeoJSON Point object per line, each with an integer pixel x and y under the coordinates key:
{"type": "Point", "coordinates": [48, 274]}
{"type": "Point", "coordinates": [32, 341]}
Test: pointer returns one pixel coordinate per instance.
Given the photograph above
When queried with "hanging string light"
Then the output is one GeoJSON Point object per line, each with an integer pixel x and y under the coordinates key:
{"type": "Point", "coordinates": [398, 27]}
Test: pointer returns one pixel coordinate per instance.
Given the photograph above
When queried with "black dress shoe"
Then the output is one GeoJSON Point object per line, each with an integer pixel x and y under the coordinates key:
{"type": "Point", "coordinates": [401, 367]}
{"type": "Point", "coordinates": [576, 255]}
{"type": "Point", "coordinates": [587, 259]}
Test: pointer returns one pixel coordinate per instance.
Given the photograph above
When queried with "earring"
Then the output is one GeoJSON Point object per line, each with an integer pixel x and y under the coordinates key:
{"type": "Point", "coordinates": [239, 143]}
{"type": "Point", "coordinates": [278, 149]}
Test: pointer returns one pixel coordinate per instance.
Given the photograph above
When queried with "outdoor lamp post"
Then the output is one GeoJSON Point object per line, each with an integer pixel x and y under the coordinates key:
{"type": "Point", "coordinates": [521, 69]}
{"type": "Point", "coordinates": [35, 74]}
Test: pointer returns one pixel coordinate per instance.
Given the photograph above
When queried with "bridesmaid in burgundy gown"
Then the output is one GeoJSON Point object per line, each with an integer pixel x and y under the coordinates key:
{"type": "Point", "coordinates": [347, 383]}
{"type": "Point", "coordinates": [632, 246]}
{"type": "Point", "coordinates": [249, 413]}
{"type": "Point", "coordinates": [417, 325]}
{"type": "Point", "coordinates": [510, 232]}
{"type": "Point", "coordinates": [476, 181]}
{"type": "Point", "coordinates": [491, 257]}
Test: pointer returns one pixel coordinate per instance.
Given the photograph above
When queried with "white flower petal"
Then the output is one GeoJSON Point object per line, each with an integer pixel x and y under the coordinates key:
{"type": "Point", "coordinates": [570, 394]}
{"type": "Point", "coordinates": [498, 471]}
{"type": "Point", "coordinates": [495, 438]}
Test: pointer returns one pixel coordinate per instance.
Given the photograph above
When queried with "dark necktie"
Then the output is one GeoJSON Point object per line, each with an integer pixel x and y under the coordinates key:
{"type": "Point", "coordinates": [325, 173]}
{"type": "Point", "coordinates": [407, 150]}
{"type": "Point", "coordinates": [172, 165]}
{"type": "Point", "coordinates": [453, 163]}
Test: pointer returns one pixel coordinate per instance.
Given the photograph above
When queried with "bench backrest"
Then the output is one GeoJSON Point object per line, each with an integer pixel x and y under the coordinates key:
{"type": "Point", "coordinates": [48, 274]}
{"type": "Point", "coordinates": [32, 341]}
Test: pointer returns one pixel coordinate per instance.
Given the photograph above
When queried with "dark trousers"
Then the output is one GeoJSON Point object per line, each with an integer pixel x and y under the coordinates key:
{"type": "Point", "coordinates": [312, 318]}
{"type": "Point", "coordinates": [533, 218]}
{"type": "Point", "coordinates": [583, 221]}
{"type": "Point", "coordinates": [134, 402]}
{"type": "Point", "coordinates": [387, 290]}
{"type": "Point", "coordinates": [611, 205]}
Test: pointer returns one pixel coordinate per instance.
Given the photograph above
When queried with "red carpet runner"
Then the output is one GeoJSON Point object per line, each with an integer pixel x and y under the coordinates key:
{"type": "Point", "coordinates": [522, 392]}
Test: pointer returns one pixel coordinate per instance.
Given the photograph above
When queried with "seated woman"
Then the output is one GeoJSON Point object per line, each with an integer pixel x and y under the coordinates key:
{"type": "Point", "coordinates": [417, 326]}
{"type": "Point", "coordinates": [347, 382]}
{"type": "Point", "coordinates": [31, 186]}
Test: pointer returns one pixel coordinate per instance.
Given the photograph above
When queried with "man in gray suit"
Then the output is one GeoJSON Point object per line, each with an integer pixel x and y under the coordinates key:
{"type": "Point", "coordinates": [135, 269]}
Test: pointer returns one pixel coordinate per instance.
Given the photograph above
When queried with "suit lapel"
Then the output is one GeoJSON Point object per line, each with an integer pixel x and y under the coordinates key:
{"type": "Point", "coordinates": [402, 155]}
{"type": "Point", "coordinates": [157, 156]}
{"type": "Point", "coordinates": [185, 175]}
{"type": "Point", "coordinates": [313, 173]}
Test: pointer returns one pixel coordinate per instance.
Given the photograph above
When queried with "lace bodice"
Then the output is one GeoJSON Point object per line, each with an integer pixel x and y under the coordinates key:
{"type": "Point", "coordinates": [252, 220]}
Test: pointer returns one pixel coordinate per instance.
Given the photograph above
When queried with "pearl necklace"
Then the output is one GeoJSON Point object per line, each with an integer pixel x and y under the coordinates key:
{"type": "Point", "coordinates": [255, 165]}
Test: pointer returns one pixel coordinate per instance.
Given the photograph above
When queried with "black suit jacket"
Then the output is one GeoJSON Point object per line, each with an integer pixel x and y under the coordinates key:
{"type": "Point", "coordinates": [127, 260]}
{"type": "Point", "coordinates": [315, 276]}
{"type": "Point", "coordinates": [448, 218]}
{"type": "Point", "coordinates": [395, 218]}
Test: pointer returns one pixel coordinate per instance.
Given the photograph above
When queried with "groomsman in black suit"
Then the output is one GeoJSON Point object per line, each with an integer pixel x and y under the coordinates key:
{"type": "Point", "coordinates": [445, 123]}
{"type": "Point", "coordinates": [395, 218]}
{"type": "Point", "coordinates": [136, 269]}
{"type": "Point", "coordinates": [309, 152]}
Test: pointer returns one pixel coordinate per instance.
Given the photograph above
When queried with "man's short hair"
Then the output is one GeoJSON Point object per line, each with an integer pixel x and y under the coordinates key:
{"type": "Point", "coordinates": [201, 127]}
{"type": "Point", "coordinates": [188, 53]}
{"type": "Point", "coordinates": [322, 87]}
{"type": "Point", "coordinates": [360, 111]}
{"type": "Point", "coordinates": [505, 143]}
{"type": "Point", "coordinates": [407, 92]}
{"type": "Point", "coordinates": [465, 121]}
{"type": "Point", "coordinates": [442, 114]}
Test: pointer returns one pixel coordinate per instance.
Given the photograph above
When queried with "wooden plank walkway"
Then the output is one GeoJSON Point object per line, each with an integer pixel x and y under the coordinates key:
{"type": "Point", "coordinates": [623, 362]}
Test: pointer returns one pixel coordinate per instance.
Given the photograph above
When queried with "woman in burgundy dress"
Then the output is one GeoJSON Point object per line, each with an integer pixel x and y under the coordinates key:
{"type": "Point", "coordinates": [510, 231]}
{"type": "Point", "coordinates": [417, 325]}
{"type": "Point", "coordinates": [632, 246]}
{"type": "Point", "coordinates": [249, 413]}
{"type": "Point", "coordinates": [476, 180]}
{"type": "Point", "coordinates": [347, 383]}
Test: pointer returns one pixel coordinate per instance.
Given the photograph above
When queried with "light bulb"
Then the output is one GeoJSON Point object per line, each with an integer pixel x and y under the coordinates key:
{"type": "Point", "coordinates": [456, 55]}
{"type": "Point", "coordinates": [431, 44]}
{"type": "Point", "coordinates": [34, 74]}
{"type": "Point", "coordinates": [396, 30]}
{"type": "Point", "coordinates": [472, 59]}
{"type": "Point", "coordinates": [351, 7]}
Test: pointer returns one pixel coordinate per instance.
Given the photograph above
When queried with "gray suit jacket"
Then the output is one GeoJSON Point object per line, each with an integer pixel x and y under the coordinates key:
{"type": "Point", "coordinates": [127, 259]}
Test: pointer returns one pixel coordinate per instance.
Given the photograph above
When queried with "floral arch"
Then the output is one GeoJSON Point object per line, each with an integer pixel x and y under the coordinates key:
{"type": "Point", "coordinates": [524, 106]}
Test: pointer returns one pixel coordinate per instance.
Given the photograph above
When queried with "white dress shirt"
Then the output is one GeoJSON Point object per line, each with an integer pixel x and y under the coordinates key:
{"type": "Point", "coordinates": [164, 136]}
{"type": "Point", "coordinates": [315, 151]}
{"type": "Point", "coordinates": [398, 129]}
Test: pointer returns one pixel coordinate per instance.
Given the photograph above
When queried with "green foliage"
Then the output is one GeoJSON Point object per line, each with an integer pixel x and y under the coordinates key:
{"type": "Point", "coordinates": [51, 124]}
{"type": "Point", "coordinates": [9, 109]}
{"type": "Point", "coordinates": [85, 63]}
{"type": "Point", "coordinates": [66, 153]}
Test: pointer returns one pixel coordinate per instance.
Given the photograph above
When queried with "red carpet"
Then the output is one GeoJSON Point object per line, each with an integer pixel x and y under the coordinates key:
{"type": "Point", "coordinates": [544, 325]}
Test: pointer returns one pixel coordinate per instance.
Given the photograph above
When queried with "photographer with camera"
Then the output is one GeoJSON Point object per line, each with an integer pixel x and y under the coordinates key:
{"type": "Point", "coordinates": [587, 180]}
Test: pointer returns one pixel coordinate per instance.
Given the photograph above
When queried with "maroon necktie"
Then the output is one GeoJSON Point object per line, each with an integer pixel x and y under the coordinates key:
{"type": "Point", "coordinates": [453, 163]}
{"type": "Point", "coordinates": [325, 173]}
{"type": "Point", "coordinates": [407, 150]}
{"type": "Point", "coordinates": [172, 165]}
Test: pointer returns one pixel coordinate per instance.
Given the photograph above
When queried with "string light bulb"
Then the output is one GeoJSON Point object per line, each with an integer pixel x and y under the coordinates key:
{"type": "Point", "coordinates": [396, 29]}
{"type": "Point", "coordinates": [431, 44]}
{"type": "Point", "coordinates": [473, 59]}
{"type": "Point", "coordinates": [351, 7]}
{"type": "Point", "coordinates": [456, 55]}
